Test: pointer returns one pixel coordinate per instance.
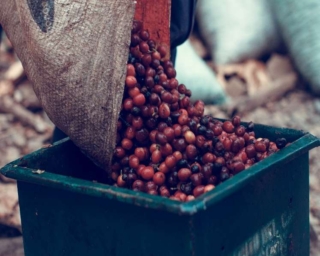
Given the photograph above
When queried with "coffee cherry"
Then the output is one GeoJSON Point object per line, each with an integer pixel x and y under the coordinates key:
{"type": "Point", "coordinates": [183, 119]}
{"type": "Point", "coordinates": [161, 138]}
{"type": "Point", "coordinates": [147, 173]}
{"type": "Point", "coordinates": [131, 81]}
{"type": "Point", "coordinates": [162, 50]}
{"type": "Point", "coordinates": [173, 85]}
{"type": "Point", "coordinates": [190, 198]}
{"type": "Point", "coordinates": [120, 181]}
{"type": "Point", "coordinates": [200, 140]}
{"type": "Point", "coordinates": [228, 127]}
{"type": "Point", "coordinates": [139, 69]}
{"type": "Point", "coordinates": [144, 35]}
{"type": "Point", "coordinates": [209, 134]}
{"type": "Point", "coordinates": [195, 168]}
{"type": "Point", "coordinates": [208, 188]}
{"type": "Point", "coordinates": [281, 142]}
{"type": "Point", "coordinates": [164, 192]}
{"type": "Point", "coordinates": [190, 137]}
{"type": "Point", "coordinates": [236, 120]}
{"type": "Point", "coordinates": [156, 156]}
{"type": "Point", "coordinates": [159, 178]}
{"type": "Point", "coordinates": [126, 144]}
{"type": "Point", "coordinates": [207, 170]}
{"type": "Point", "coordinates": [198, 191]}
{"type": "Point", "coordinates": [217, 130]}
{"type": "Point", "coordinates": [119, 152]}
{"type": "Point", "coordinates": [213, 180]}
{"type": "Point", "coordinates": [143, 47]}
{"type": "Point", "coordinates": [240, 130]}
{"type": "Point", "coordinates": [154, 99]}
{"type": "Point", "coordinates": [236, 146]}
{"type": "Point", "coordinates": [272, 147]}
{"type": "Point", "coordinates": [139, 100]}
{"type": "Point", "coordinates": [251, 151]}
{"type": "Point", "coordinates": [170, 72]}
{"type": "Point", "coordinates": [156, 55]}
{"type": "Point", "coordinates": [152, 192]}
{"type": "Point", "coordinates": [128, 104]}
{"type": "Point", "coordinates": [179, 144]}
{"type": "Point", "coordinates": [155, 63]}
{"type": "Point", "coordinates": [162, 126]}
{"type": "Point", "coordinates": [196, 179]}
{"type": "Point", "coordinates": [164, 110]}
{"type": "Point", "coordinates": [208, 158]}
{"type": "Point", "coordinates": [130, 70]}
{"type": "Point", "coordinates": [138, 185]}
{"type": "Point", "coordinates": [260, 146]}
{"type": "Point", "coordinates": [167, 97]}
{"type": "Point", "coordinates": [202, 130]}
{"type": "Point", "coordinates": [152, 44]}
{"type": "Point", "coordinates": [134, 162]}
{"type": "Point", "coordinates": [181, 196]}
{"type": "Point", "coordinates": [177, 130]}
{"type": "Point", "coordinates": [182, 89]}
{"type": "Point", "coordinates": [167, 63]}
{"type": "Point", "coordinates": [166, 150]}
{"type": "Point", "coordinates": [137, 123]}
{"type": "Point", "coordinates": [184, 174]}
{"type": "Point", "coordinates": [163, 168]}
{"type": "Point", "coordinates": [142, 135]}
{"type": "Point", "coordinates": [177, 155]}
{"type": "Point", "coordinates": [238, 167]}
{"type": "Point", "coordinates": [149, 81]}
{"type": "Point", "coordinates": [169, 133]}
{"type": "Point", "coordinates": [170, 161]}
{"type": "Point", "coordinates": [152, 135]}
{"type": "Point", "coordinates": [183, 163]}
{"type": "Point", "coordinates": [242, 156]}
{"type": "Point", "coordinates": [191, 152]}
{"type": "Point", "coordinates": [146, 60]}
{"type": "Point", "coordinates": [140, 153]}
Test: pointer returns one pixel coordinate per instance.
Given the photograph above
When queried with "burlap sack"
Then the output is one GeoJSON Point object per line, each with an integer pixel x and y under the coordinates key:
{"type": "Point", "coordinates": [75, 54]}
{"type": "Point", "coordinates": [299, 23]}
{"type": "Point", "coordinates": [197, 76]}
{"type": "Point", "coordinates": [237, 30]}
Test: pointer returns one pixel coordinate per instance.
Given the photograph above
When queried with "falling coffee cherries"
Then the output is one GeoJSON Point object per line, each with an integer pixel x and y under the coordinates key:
{"type": "Point", "coordinates": [165, 144]}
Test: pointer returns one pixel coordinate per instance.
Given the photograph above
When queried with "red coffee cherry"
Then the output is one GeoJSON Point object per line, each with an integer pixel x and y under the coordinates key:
{"type": "Point", "coordinates": [198, 191]}
{"type": "Point", "coordinates": [131, 81]}
{"type": "Point", "coordinates": [184, 174]}
{"type": "Point", "coordinates": [147, 173]}
{"type": "Point", "coordinates": [164, 110]}
{"type": "Point", "coordinates": [159, 178]}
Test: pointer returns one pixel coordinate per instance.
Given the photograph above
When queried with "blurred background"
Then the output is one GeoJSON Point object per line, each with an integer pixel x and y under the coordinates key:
{"type": "Point", "coordinates": [240, 59]}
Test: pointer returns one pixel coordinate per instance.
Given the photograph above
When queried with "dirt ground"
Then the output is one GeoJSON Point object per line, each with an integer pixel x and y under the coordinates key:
{"type": "Point", "coordinates": [24, 127]}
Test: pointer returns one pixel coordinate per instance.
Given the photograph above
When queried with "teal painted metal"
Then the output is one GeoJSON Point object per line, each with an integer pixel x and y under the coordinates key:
{"type": "Point", "coordinates": [261, 211]}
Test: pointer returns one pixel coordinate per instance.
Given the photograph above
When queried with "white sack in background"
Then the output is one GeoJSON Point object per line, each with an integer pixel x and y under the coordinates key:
{"type": "Point", "coordinates": [197, 76]}
{"type": "Point", "coordinates": [299, 22]}
{"type": "Point", "coordinates": [236, 30]}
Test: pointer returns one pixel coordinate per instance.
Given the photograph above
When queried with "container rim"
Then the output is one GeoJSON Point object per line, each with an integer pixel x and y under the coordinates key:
{"type": "Point", "coordinates": [305, 143]}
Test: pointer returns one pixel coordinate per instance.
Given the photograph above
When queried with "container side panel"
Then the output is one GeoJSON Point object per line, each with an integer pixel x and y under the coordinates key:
{"type": "Point", "coordinates": [61, 223]}
{"type": "Point", "coordinates": [270, 216]}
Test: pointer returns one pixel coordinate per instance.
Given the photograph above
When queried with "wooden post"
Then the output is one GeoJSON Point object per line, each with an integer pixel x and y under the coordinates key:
{"type": "Point", "coordinates": [155, 15]}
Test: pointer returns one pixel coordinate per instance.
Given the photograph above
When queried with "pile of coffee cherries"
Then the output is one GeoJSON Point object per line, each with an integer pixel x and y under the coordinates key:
{"type": "Point", "coordinates": [165, 144]}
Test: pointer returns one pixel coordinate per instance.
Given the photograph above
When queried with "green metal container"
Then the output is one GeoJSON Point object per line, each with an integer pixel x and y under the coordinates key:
{"type": "Point", "coordinates": [261, 211]}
